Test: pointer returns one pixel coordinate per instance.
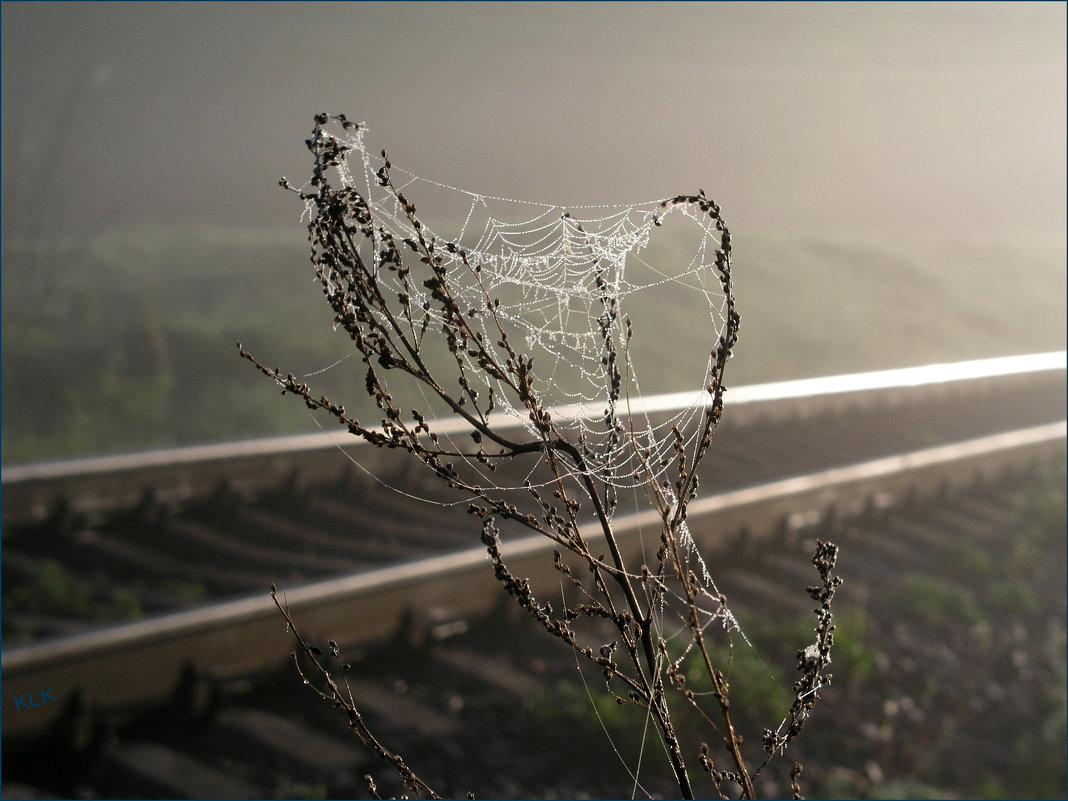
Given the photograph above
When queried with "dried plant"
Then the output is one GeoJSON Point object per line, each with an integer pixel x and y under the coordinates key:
{"type": "Point", "coordinates": [397, 297]}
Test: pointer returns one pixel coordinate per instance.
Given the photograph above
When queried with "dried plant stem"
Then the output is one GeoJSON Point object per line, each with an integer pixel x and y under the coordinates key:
{"type": "Point", "coordinates": [345, 701]}
{"type": "Point", "coordinates": [404, 298]}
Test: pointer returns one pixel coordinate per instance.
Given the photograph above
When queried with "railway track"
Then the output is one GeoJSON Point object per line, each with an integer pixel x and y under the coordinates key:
{"type": "Point", "coordinates": [300, 513]}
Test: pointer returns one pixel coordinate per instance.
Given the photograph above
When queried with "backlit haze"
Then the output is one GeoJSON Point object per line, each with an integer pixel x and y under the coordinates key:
{"type": "Point", "coordinates": [874, 117]}
{"type": "Point", "coordinates": [893, 176]}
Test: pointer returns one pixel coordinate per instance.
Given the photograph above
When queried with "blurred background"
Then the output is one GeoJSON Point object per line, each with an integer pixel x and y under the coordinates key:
{"type": "Point", "coordinates": [893, 175]}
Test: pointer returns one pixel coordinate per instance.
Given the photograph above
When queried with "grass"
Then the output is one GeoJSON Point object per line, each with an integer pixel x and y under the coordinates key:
{"type": "Point", "coordinates": [125, 341]}
{"type": "Point", "coordinates": [937, 603]}
{"type": "Point", "coordinates": [999, 606]}
{"type": "Point", "coordinates": [53, 591]}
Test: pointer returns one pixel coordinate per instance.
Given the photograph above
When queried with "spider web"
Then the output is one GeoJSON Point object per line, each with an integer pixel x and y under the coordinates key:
{"type": "Point", "coordinates": [569, 283]}
{"type": "Point", "coordinates": [570, 286]}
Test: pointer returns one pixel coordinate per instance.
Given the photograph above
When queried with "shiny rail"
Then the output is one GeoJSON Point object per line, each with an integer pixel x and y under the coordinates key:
{"type": "Point", "coordinates": [144, 661]}
{"type": "Point", "coordinates": [106, 483]}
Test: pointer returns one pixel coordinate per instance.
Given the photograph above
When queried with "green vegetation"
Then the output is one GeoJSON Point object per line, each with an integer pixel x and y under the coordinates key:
{"type": "Point", "coordinates": [759, 689]}
{"type": "Point", "coordinates": [1040, 562]}
{"type": "Point", "coordinates": [897, 303]}
{"type": "Point", "coordinates": [1040, 767]}
{"type": "Point", "coordinates": [563, 712]}
{"type": "Point", "coordinates": [126, 341]}
{"type": "Point", "coordinates": [971, 560]}
{"type": "Point", "coordinates": [304, 790]}
{"type": "Point", "coordinates": [998, 607]}
{"type": "Point", "coordinates": [936, 603]}
{"type": "Point", "coordinates": [53, 591]}
{"type": "Point", "coordinates": [587, 712]}
{"type": "Point", "coordinates": [848, 787]}
{"type": "Point", "coordinates": [1041, 550]}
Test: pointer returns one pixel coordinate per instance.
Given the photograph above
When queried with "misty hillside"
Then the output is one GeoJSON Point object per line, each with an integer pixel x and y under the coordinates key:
{"type": "Point", "coordinates": [127, 342]}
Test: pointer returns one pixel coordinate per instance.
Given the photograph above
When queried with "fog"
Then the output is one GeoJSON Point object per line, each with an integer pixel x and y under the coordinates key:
{"type": "Point", "coordinates": [871, 117]}
{"type": "Point", "coordinates": [883, 169]}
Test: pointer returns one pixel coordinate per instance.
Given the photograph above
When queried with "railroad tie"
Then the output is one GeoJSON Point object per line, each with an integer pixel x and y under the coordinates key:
{"type": "Point", "coordinates": [401, 710]}
{"type": "Point", "coordinates": [315, 756]}
{"type": "Point", "coordinates": [490, 670]}
{"type": "Point", "coordinates": [158, 771]}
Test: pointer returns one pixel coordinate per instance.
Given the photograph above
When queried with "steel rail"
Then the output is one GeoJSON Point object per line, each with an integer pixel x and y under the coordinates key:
{"type": "Point", "coordinates": [105, 483]}
{"type": "Point", "coordinates": [144, 661]}
{"type": "Point", "coordinates": [737, 397]}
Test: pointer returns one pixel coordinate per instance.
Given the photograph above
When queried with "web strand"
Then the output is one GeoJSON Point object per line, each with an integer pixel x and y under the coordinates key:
{"type": "Point", "coordinates": [551, 321]}
{"type": "Point", "coordinates": [554, 271]}
{"type": "Point", "coordinates": [571, 285]}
